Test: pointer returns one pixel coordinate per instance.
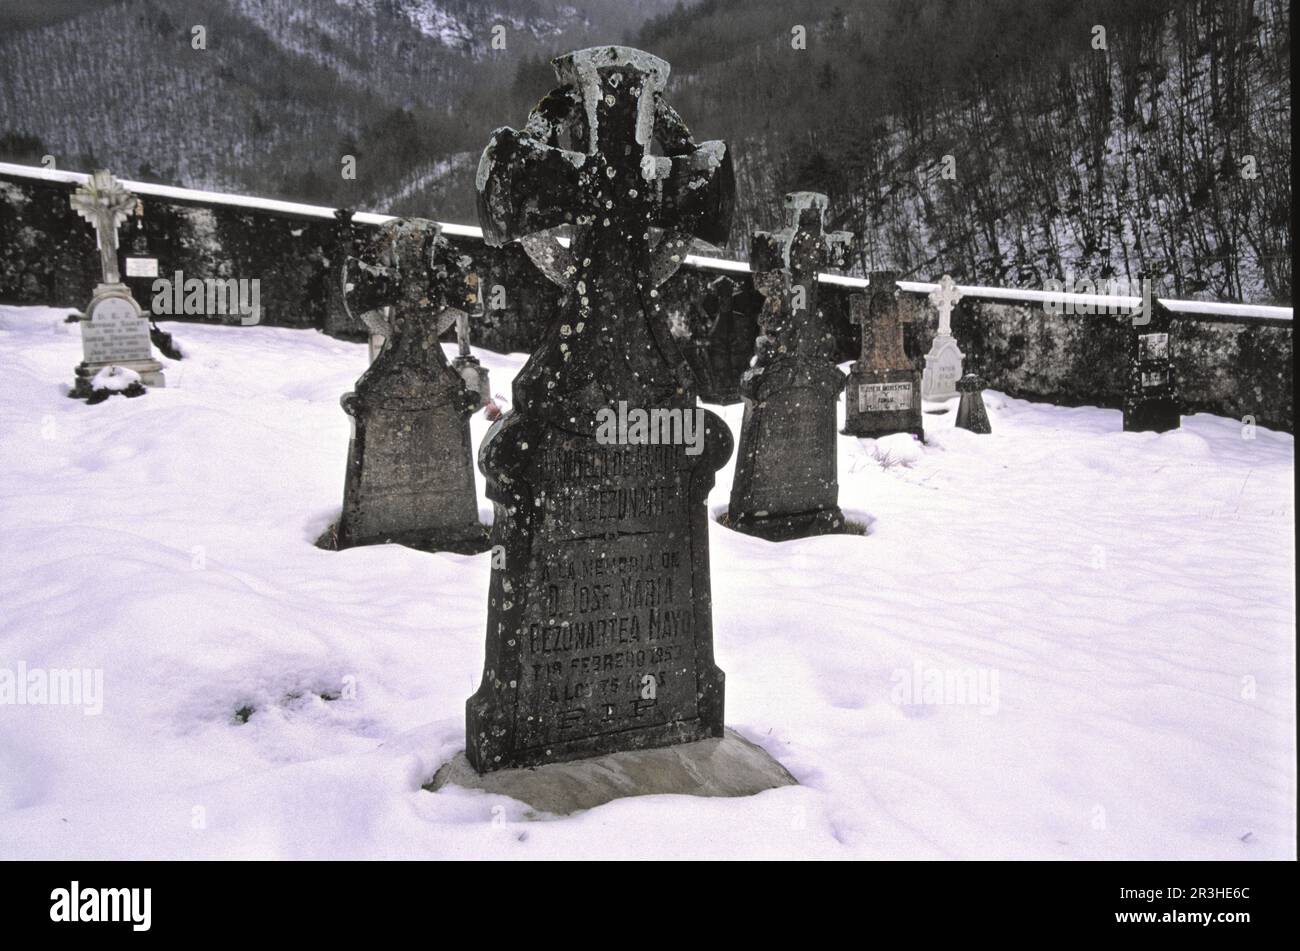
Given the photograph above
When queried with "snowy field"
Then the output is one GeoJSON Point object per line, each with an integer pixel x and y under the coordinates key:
{"type": "Point", "coordinates": [1057, 641]}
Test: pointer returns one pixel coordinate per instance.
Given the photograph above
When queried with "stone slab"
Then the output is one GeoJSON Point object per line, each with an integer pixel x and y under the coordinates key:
{"type": "Point", "coordinates": [726, 766]}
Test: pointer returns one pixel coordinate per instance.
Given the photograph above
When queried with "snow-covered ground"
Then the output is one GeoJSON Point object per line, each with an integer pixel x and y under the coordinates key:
{"type": "Point", "coordinates": [1121, 606]}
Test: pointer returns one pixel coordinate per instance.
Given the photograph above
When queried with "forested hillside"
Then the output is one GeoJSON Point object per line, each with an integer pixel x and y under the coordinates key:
{"type": "Point", "coordinates": [1133, 160]}
{"type": "Point", "coordinates": [1005, 141]}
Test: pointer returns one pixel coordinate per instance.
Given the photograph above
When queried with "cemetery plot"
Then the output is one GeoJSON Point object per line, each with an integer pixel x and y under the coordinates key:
{"type": "Point", "coordinates": [314, 694]}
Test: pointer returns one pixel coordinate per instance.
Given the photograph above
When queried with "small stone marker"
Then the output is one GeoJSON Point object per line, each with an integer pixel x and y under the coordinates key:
{"type": "Point", "coordinates": [410, 476]}
{"type": "Point", "coordinates": [971, 414]}
{"type": "Point", "coordinates": [600, 631]}
{"type": "Point", "coordinates": [1151, 401]}
{"type": "Point", "coordinates": [466, 364]}
{"type": "Point", "coordinates": [786, 483]}
{"type": "Point", "coordinates": [884, 389]}
{"type": "Point", "coordinates": [943, 362]}
{"type": "Point", "coordinates": [114, 330]}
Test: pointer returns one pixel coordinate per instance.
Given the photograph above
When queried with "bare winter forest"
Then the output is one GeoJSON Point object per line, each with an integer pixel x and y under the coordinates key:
{"type": "Point", "coordinates": [1008, 141]}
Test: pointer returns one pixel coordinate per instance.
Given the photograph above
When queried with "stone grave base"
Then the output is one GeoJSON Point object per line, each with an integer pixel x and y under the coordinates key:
{"type": "Point", "coordinates": [787, 526]}
{"type": "Point", "coordinates": [151, 374]}
{"type": "Point", "coordinates": [726, 766]}
{"type": "Point", "coordinates": [871, 422]}
{"type": "Point", "coordinates": [472, 541]}
{"type": "Point", "coordinates": [1153, 416]}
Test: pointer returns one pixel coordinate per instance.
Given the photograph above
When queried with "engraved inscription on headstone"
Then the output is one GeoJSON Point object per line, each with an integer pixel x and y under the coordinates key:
{"type": "Point", "coordinates": [786, 483]}
{"type": "Point", "coordinates": [141, 267]}
{"type": "Point", "coordinates": [885, 397]}
{"type": "Point", "coordinates": [116, 333]}
{"type": "Point", "coordinates": [599, 634]}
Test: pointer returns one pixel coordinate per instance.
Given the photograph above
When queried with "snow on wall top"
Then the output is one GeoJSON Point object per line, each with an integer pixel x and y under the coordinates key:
{"type": "Point", "coordinates": [1208, 308]}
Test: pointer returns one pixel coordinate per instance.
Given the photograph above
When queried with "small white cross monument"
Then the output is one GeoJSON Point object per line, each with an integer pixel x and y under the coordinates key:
{"type": "Point", "coordinates": [943, 362]}
{"type": "Point", "coordinates": [114, 331]}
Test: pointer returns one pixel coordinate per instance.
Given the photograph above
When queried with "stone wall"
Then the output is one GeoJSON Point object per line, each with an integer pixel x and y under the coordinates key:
{"type": "Point", "coordinates": [1228, 366]}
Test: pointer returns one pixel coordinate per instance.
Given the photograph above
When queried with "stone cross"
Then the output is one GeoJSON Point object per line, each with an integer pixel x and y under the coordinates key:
{"type": "Point", "coordinates": [881, 320]}
{"type": "Point", "coordinates": [104, 203]}
{"type": "Point", "coordinates": [943, 363]}
{"type": "Point", "coordinates": [945, 297]}
{"type": "Point", "coordinates": [599, 634]}
{"type": "Point", "coordinates": [786, 484]}
{"type": "Point", "coordinates": [410, 471]}
{"type": "Point", "coordinates": [730, 343]}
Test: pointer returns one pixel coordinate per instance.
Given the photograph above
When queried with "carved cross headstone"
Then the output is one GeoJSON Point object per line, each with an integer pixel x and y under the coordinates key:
{"type": "Point", "coordinates": [786, 485]}
{"type": "Point", "coordinates": [114, 330]}
{"type": "Point", "coordinates": [884, 390]}
{"type": "Point", "coordinates": [1151, 402]}
{"type": "Point", "coordinates": [410, 472]}
{"type": "Point", "coordinates": [730, 343]}
{"type": "Point", "coordinates": [104, 203]}
{"type": "Point", "coordinates": [599, 634]}
{"type": "Point", "coordinates": [341, 320]}
{"type": "Point", "coordinates": [943, 362]}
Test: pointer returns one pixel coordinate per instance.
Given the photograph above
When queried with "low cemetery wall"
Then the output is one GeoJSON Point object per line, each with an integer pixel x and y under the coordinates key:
{"type": "Point", "coordinates": [1230, 364]}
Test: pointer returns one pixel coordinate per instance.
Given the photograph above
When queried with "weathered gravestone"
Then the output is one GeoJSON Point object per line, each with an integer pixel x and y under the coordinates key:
{"type": "Point", "coordinates": [114, 330]}
{"type": "Point", "coordinates": [786, 484]}
{"type": "Point", "coordinates": [599, 634]}
{"type": "Point", "coordinates": [971, 414]}
{"type": "Point", "coordinates": [341, 320]}
{"type": "Point", "coordinates": [884, 390]}
{"type": "Point", "coordinates": [1151, 401]}
{"type": "Point", "coordinates": [410, 476]}
{"type": "Point", "coordinates": [943, 362]}
{"type": "Point", "coordinates": [730, 343]}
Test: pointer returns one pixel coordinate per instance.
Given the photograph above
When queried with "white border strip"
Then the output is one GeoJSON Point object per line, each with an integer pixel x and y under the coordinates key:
{"type": "Point", "coordinates": [1207, 308]}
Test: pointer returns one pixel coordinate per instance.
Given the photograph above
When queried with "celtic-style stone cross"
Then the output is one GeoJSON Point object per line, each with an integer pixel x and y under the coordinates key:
{"type": "Point", "coordinates": [614, 193]}
{"type": "Point", "coordinates": [599, 635]}
{"type": "Point", "coordinates": [104, 203]}
{"type": "Point", "coordinates": [410, 471]}
{"type": "Point", "coordinates": [805, 248]}
{"type": "Point", "coordinates": [786, 484]}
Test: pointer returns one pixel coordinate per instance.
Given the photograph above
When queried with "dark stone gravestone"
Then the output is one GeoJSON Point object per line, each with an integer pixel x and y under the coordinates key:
{"type": "Point", "coordinates": [1151, 401]}
{"type": "Point", "coordinates": [786, 484]}
{"type": "Point", "coordinates": [341, 320]}
{"type": "Point", "coordinates": [410, 476]}
{"type": "Point", "coordinates": [730, 343]}
{"type": "Point", "coordinates": [971, 414]}
{"type": "Point", "coordinates": [599, 634]}
{"type": "Point", "coordinates": [139, 268]}
{"type": "Point", "coordinates": [114, 330]}
{"type": "Point", "coordinates": [884, 390]}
